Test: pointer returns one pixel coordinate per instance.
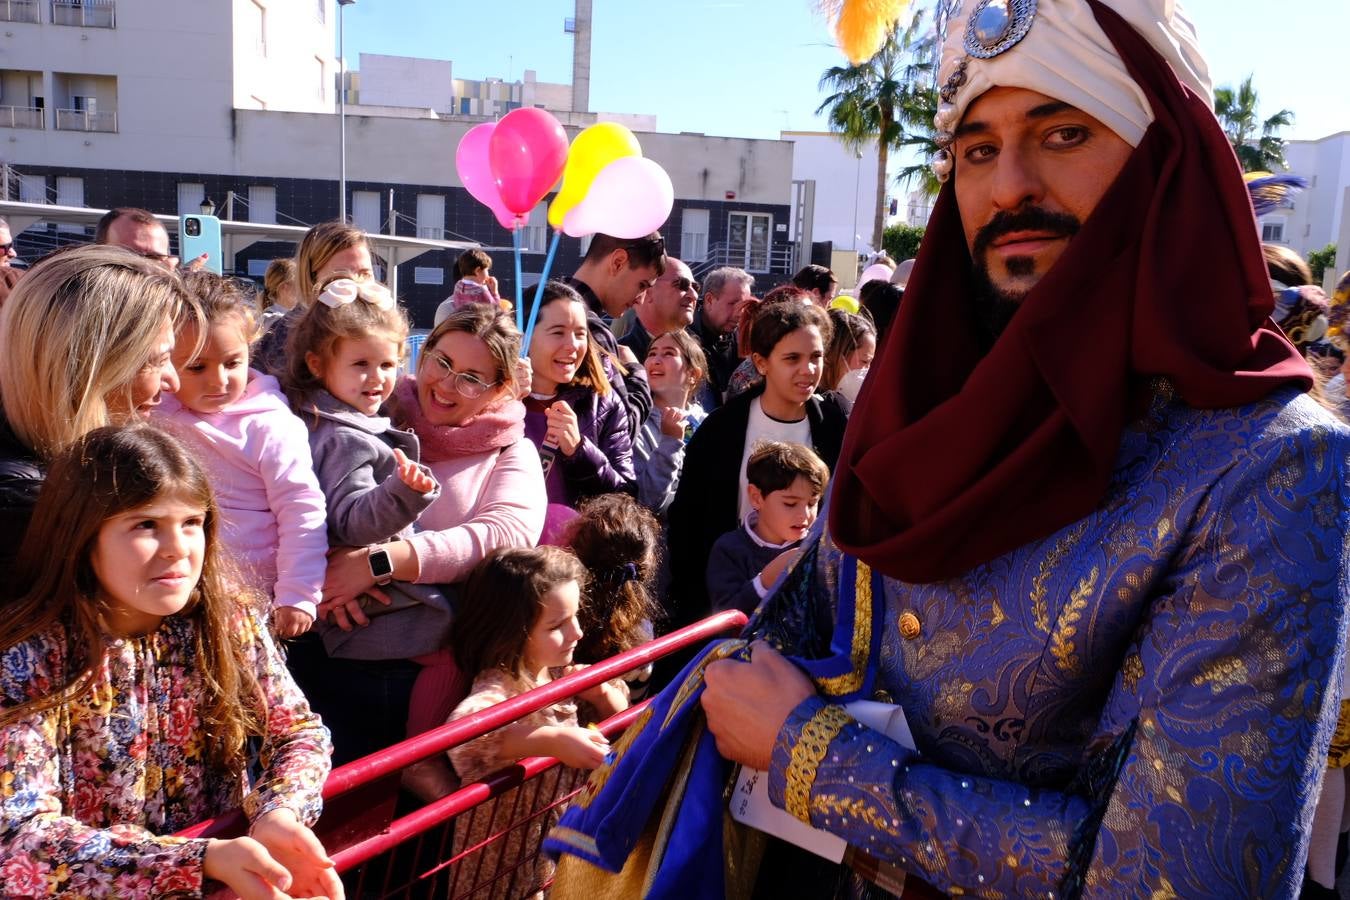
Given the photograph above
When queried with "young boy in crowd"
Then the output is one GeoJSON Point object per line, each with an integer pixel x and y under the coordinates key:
{"type": "Point", "coordinates": [476, 283]}
{"type": "Point", "coordinates": [786, 482]}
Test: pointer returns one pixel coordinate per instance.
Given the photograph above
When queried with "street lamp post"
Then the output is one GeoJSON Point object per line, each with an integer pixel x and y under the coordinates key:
{"type": "Point", "coordinates": [342, 113]}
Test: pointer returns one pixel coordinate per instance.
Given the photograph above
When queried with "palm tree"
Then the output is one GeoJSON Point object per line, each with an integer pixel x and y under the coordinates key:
{"type": "Point", "coordinates": [1258, 147]}
{"type": "Point", "coordinates": [869, 101]}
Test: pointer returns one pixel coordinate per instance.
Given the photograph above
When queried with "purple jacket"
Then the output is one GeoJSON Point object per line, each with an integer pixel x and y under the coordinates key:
{"type": "Point", "coordinates": [604, 462]}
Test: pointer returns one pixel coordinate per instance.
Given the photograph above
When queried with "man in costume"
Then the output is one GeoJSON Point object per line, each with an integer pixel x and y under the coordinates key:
{"type": "Point", "coordinates": [1087, 531]}
{"type": "Point", "coordinates": [1088, 525]}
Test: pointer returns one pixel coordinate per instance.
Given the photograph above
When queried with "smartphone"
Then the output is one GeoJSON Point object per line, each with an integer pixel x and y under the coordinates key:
{"type": "Point", "coordinates": [200, 234]}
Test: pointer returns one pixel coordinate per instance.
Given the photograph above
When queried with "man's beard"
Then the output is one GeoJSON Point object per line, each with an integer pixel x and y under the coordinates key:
{"type": "Point", "coordinates": [994, 306]}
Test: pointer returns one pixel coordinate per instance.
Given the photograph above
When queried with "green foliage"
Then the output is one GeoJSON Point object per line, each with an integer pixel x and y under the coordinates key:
{"type": "Point", "coordinates": [902, 241]}
{"type": "Point", "coordinates": [1321, 260]}
{"type": "Point", "coordinates": [1258, 147]}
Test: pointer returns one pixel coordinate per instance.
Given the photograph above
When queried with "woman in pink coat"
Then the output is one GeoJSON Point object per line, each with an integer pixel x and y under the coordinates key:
{"type": "Point", "coordinates": [462, 403]}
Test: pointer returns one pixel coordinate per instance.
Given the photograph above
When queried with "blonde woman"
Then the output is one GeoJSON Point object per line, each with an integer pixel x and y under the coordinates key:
{"type": "Point", "coordinates": [85, 341]}
{"type": "Point", "coordinates": [326, 249]}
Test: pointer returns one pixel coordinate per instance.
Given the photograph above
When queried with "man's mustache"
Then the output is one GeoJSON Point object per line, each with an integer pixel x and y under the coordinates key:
{"type": "Point", "coordinates": [1028, 218]}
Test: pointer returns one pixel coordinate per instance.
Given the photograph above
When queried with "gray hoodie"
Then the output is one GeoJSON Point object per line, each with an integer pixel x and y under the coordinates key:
{"type": "Point", "coordinates": [368, 504]}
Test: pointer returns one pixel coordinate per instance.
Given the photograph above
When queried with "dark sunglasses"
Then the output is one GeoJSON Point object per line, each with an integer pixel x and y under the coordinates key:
{"type": "Point", "coordinates": [683, 284]}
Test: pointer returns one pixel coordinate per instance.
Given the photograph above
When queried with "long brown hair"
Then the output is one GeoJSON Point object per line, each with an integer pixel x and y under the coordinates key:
{"type": "Point", "coordinates": [107, 472]}
{"type": "Point", "coordinates": [847, 332]}
{"type": "Point", "coordinates": [320, 244]}
{"type": "Point", "coordinates": [501, 602]}
{"type": "Point", "coordinates": [591, 367]}
{"type": "Point", "coordinates": [616, 541]}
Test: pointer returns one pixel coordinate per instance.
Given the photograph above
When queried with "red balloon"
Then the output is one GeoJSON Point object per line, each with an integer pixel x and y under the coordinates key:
{"type": "Point", "coordinates": [527, 152]}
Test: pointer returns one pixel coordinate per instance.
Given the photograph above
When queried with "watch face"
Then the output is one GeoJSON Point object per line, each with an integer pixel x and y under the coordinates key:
{"type": "Point", "coordinates": [380, 564]}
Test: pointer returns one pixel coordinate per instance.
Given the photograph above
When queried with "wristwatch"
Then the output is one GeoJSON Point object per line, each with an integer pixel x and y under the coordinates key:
{"type": "Point", "coordinates": [381, 566]}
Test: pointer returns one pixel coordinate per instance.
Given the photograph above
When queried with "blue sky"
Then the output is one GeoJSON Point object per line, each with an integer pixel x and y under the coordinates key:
{"type": "Point", "coordinates": [750, 68]}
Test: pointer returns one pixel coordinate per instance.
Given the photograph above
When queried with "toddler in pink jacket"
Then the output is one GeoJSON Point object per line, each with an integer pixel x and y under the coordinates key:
{"type": "Point", "coordinates": [256, 453]}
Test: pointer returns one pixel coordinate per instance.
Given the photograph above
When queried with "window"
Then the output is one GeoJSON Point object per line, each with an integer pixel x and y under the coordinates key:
{"type": "Point", "coordinates": [428, 275]}
{"type": "Point", "coordinates": [535, 237]}
{"type": "Point", "coordinates": [258, 26]}
{"type": "Point", "coordinates": [1272, 232]}
{"type": "Point", "coordinates": [366, 211]}
{"type": "Point", "coordinates": [69, 192]}
{"type": "Point", "coordinates": [748, 240]}
{"type": "Point", "coordinates": [431, 217]}
{"type": "Point", "coordinates": [262, 204]}
{"type": "Point", "coordinates": [32, 188]}
{"type": "Point", "coordinates": [694, 235]}
{"type": "Point", "coordinates": [190, 197]}
{"type": "Point", "coordinates": [257, 268]}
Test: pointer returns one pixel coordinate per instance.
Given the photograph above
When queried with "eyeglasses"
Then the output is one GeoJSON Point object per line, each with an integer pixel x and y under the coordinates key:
{"type": "Point", "coordinates": [470, 387]}
{"type": "Point", "coordinates": [683, 284]}
{"type": "Point", "coordinates": [5, 248]}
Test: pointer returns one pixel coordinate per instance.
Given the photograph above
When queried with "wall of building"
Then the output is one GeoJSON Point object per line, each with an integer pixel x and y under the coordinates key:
{"type": "Point", "coordinates": [407, 81]}
{"type": "Point", "coordinates": [1317, 212]}
{"type": "Point", "coordinates": [846, 187]}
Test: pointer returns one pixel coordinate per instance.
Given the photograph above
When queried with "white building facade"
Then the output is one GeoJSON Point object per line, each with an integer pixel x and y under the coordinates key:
{"type": "Point", "coordinates": [1315, 216]}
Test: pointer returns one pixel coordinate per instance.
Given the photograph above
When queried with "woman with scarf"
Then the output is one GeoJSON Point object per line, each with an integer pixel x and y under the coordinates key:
{"type": "Point", "coordinates": [462, 404]}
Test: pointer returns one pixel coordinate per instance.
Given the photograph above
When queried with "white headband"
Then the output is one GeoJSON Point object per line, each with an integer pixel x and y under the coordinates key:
{"type": "Point", "coordinates": [346, 290]}
{"type": "Point", "coordinates": [1056, 48]}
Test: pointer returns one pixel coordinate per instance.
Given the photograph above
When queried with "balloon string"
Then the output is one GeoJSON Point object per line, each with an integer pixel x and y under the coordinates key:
{"type": "Point", "coordinates": [539, 292]}
{"type": "Point", "coordinates": [520, 310]}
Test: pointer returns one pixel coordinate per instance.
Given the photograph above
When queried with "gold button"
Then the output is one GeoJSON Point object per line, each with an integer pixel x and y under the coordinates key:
{"type": "Point", "coordinates": [909, 626]}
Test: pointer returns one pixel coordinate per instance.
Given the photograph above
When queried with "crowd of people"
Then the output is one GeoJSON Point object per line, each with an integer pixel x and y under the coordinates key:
{"type": "Point", "coordinates": [263, 486]}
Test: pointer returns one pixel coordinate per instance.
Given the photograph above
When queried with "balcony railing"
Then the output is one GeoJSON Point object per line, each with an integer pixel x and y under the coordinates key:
{"type": "Point", "coordinates": [19, 11]}
{"type": "Point", "coordinates": [85, 13]}
{"type": "Point", "coordinates": [83, 120]}
{"type": "Point", "coordinates": [20, 117]}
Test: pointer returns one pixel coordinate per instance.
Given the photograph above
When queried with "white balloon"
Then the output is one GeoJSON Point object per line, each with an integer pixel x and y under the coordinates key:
{"type": "Point", "coordinates": [630, 198]}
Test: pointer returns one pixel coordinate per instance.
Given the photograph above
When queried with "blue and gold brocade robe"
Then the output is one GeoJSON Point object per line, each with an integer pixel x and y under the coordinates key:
{"type": "Point", "coordinates": [1138, 705]}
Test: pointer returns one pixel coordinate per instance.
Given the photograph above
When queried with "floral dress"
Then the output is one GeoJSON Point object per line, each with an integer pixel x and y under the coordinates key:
{"type": "Point", "coordinates": [91, 789]}
{"type": "Point", "coordinates": [481, 757]}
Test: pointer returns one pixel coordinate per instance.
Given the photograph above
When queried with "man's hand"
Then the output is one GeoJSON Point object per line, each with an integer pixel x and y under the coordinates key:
{"type": "Point", "coordinates": [626, 356]}
{"type": "Point", "coordinates": [747, 703]}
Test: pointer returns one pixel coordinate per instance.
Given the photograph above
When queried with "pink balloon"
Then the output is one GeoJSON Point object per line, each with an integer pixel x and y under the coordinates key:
{"type": "Point", "coordinates": [471, 162]}
{"type": "Point", "coordinates": [629, 199]}
{"type": "Point", "coordinates": [527, 152]}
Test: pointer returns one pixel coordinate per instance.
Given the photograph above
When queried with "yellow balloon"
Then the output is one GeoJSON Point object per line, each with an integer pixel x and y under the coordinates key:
{"type": "Point", "coordinates": [592, 150]}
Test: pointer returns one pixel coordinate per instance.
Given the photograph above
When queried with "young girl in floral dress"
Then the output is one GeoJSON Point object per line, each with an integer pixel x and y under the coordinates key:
{"type": "Point", "coordinates": [130, 679]}
{"type": "Point", "coordinates": [517, 630]}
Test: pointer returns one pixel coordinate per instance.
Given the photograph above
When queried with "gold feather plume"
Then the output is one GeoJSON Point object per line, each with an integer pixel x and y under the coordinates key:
{"type": "Point", "coordinates": [860, 26]}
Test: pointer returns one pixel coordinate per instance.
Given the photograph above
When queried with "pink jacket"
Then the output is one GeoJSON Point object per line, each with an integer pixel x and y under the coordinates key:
{"type": "Point", "coordinates": [256, 454]}
{"type": "Point", "coordinates": [488, 500]}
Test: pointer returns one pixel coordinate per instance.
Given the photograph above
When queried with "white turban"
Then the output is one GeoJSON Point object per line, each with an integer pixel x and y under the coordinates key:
{"type": "Point", "coordinates": [1066, 55]}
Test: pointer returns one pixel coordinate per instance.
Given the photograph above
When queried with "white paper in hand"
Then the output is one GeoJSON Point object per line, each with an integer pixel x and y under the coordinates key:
{"type": "Point", "coordinates": [750, 804]}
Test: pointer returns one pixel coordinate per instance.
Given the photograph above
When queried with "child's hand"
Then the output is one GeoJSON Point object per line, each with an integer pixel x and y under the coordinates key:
{"type": "Point", "coordinates": [778, 565]}
{"type": "Point", "coordinates": [492, 286]}
{"type": "Point", "coordinates": [290, 621]}
{"type": "Point", "coordinates": [294, 846]}
{"type": "Point", "coordinates": [563, 430]}
{"type": "Point", "coordinates": [524, 377]}
{"type": "Point", "coordinates": [579, 748]}
{"type": "Point", "coordinates": [672, 422]}
{"type": "Point", "coordinates": [413, 475]}
{"type": "Point", "coordinates": [246, 867]}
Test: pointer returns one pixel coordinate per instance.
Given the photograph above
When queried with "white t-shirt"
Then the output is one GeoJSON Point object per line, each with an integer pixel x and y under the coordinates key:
{"type": "Point", "coordinates": [763, 428]}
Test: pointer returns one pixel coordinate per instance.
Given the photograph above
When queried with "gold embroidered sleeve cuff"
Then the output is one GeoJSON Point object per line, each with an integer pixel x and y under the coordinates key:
{"type": "Point", "coordinates": [807, 754]}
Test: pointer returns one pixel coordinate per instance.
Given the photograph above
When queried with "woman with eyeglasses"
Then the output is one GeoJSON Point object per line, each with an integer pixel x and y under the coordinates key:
{"type": "Point", "coordinates": [463, 405]}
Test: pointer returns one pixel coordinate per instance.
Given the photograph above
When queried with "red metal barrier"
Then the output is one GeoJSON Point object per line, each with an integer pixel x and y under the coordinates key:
{"type": "Point", "coordinates": [411, 856]}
